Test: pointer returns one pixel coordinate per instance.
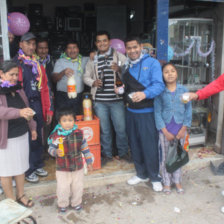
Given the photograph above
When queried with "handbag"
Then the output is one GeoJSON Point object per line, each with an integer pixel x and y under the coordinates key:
{"type": "Point", "coordinates": [176, 156]}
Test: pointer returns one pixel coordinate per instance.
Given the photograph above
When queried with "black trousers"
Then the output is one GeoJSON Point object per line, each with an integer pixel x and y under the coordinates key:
{"type": "Point", "coordinates": [143, 141]}
{"type": "Point", "coordinates": [62, 100]}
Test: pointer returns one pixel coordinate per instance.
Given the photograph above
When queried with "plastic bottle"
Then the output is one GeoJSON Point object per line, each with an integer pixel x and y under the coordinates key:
{"type": "Point", "coordinates": [87, 108]}
{"type": "Point", "coordinates": [61, 146]}
{"type": "Point", "coordinates": [186, 143]}
{"type": "Point", "coordinates": [101, 77]}
{"type": "Point", "coordinates": [71, 87]}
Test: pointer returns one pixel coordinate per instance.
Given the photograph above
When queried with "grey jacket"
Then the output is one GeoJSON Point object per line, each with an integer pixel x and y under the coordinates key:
{"type": "Point", "coordinates": [91, 71]}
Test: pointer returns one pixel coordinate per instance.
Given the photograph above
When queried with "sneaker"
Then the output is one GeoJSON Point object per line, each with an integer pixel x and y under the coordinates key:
{"type": "Point", "coordinates": [13, 183]}
{"type": "Point", "coordinates": [136, 180]}
{"type": "Point", "coordinates": [41, 172]}
{"type": "Point", "coordinates": [157, 186]}
{"type": "Point", "coordinates": [78, 208]}
{"type": "Point", "coordinates": [1, 191]}
{"type": "Point", "coordinates": [105, 160]}
{"type": "Point", "coordinates": [33, 178]}
{"type": "Point", "coordinates": [222, 209]}
{"type": "Point", "coordinates": [127, 158]}
{"type": "Point", "coordinates": [222, 193]}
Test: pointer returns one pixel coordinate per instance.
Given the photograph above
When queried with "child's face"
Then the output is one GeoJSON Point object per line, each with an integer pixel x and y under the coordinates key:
{"type": "Point", "coordinates": [67, 122]}
{"type": "Point", "coordinates": [170, 74]}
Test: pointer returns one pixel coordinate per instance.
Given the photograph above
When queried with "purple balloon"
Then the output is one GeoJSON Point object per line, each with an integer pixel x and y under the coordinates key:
{"type": "Point", "coordinates": [18, 23]}
{"type": "Point", "coordinates": [118, 45]}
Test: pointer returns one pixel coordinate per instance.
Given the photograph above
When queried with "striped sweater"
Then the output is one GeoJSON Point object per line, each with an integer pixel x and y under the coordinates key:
{"type": "Point", "coordinates": [74, 145]}
{"type": "Point", "coordinates": [106, 94]}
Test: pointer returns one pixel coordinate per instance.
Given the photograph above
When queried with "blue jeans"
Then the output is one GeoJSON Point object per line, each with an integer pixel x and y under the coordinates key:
{"type": "Point", "coordinates": [115, 112]}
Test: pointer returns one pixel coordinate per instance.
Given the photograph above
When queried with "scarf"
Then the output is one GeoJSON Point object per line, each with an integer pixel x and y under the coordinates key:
{"type": "Point", "coordinates": [6, 87]}
{"type": "Point", "coordinates": [32, 61]}
{"type": "Point", "coordinates": [44, 61]}
{"type": "Point", "coordinates": [107, 54]}
{"type": "Point", "coordinates": [78, 59]}
{"type": "Point", "coordinates": [61, 131]}
{"type": "Point", "coordinates": [130, 63]}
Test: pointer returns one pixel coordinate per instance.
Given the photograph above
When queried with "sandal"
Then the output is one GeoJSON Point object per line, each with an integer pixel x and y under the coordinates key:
{"type": "Point", "coordinates": [180, 190]}
{"type": "Point", "coordinates": [167, 191]}
{"type": "Point", "coordinates": [62, 209]}
{"type": "Point", "coordinates": [28, 204]}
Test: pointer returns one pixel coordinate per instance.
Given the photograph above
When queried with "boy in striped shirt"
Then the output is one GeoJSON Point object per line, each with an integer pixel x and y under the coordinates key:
{"type": "Point", "coordinates": [69, 163]}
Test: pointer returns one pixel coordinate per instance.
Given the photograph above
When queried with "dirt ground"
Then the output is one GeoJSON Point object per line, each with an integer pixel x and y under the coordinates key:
{"type": "Point", "coordinates": [123, 204]}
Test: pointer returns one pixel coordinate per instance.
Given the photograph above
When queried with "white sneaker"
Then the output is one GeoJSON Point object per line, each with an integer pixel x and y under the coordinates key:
{"type": "Point", "coordinates": [222, 209]}
{"type": "Point", "coordinates": [136, 180]}
{"type": "Point", "coordinates": [223, 193]}
{"type": "Point", "coordinates": [13, 183]}
{"type": "Point", "coordinates": [157, 186]}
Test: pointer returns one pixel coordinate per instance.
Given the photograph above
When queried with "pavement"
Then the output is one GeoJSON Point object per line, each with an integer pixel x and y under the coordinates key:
{"type": "Point", "coordinates": [109, 200]}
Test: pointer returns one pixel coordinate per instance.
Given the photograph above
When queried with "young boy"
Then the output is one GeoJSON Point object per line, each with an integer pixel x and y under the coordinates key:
{"type": "Point", "coordinates": [69, 164]}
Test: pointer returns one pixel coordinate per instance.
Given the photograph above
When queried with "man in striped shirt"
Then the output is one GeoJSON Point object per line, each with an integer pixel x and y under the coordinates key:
{"type": "Point", "coordinates": [100, 75]}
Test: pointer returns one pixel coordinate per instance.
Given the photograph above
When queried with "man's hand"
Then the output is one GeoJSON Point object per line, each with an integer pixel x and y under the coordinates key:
{"type": "Point", "coordinates": [181, 132]}
{"type": "Point", "coordinates": [138, 96]}
{"type": "Point", "coordinates": [34, 135]}
{"type": "Point", "coordinates": [115, 67]}
{"type": "Point", "coordinates": [193, 96]}
{"type": "Point", "coordinates": [49, 119]}
{"type": "Point", "coordinates": [97, 83]}
{"type": "Point", "coordinates": [68, 72]}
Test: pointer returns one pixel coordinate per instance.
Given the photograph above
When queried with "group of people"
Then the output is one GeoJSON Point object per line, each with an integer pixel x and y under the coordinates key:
{"type": "Point", "coordinates": [146, 118]}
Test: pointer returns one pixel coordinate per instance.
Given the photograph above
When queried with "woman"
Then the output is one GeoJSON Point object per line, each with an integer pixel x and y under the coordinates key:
{"type": "Point", "coordinates": [15, 119]}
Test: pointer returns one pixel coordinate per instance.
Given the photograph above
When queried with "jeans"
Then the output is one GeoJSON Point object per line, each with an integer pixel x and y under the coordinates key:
{"type": "Point", "coordinates": [115, 112]}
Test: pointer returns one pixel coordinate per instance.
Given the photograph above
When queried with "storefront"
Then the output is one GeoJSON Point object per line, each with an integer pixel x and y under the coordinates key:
{"type": "Point", "coordinates": [160, 23]}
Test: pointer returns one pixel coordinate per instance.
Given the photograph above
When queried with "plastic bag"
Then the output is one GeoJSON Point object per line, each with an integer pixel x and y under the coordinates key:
{"type": "Point", "coordinates": [176, 156]}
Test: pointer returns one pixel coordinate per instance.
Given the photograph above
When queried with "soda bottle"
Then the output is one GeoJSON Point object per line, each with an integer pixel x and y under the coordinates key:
{"type": "Point", "coordinates": [119, 84]}
{"type": "Point", "coordinates": [101, 77]}
{"type": "Point", "coordinates": [209, 117]}
{"type": "Point", "coordinates": [87, 108]}
{"type": "Point", "coordinates": [61, 146]}
{"type": "Point", "coordinates": [71, 87]}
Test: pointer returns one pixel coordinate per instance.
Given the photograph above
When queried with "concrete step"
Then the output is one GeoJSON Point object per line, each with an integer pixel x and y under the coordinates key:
{"type": "Point", "coordinates": [199, 158]}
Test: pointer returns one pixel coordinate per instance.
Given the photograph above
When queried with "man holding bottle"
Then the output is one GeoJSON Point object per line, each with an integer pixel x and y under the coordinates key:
{"type": "Point", "coordinates": [100, 75]}
{"type": "Point", "coordinates": [71, 63]}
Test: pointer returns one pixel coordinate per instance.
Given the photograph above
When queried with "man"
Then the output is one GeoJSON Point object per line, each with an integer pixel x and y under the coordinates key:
{"type": "Point", "coordinates": [35, 84]}
{"type": "Point", "coordinates": [43, 57]}
{"type": "Point", "coordinates": [143, 81]}
{"type": "Point", "coordinates": [42, 54]}
{"type": "Point", "coordinates": [71, 63]}
{"type": "Point", "coordinates": [100, 75]}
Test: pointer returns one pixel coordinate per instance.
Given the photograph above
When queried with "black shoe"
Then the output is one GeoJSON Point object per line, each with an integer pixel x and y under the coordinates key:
{"type": "Point", "coordinates": [105, 160]}
{"type": "Point", "coordinates": [127, 158]}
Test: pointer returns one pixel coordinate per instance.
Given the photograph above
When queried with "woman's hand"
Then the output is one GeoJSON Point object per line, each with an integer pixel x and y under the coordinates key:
{"type": "Point", "coordinates": [26, 113]}
{"type": "Point", "coordinates": [169, 136]}
{"type": "Point", "coordinates": [181, 133]}
{"type": "Point", "coordinates": [34, 135]}
{"type": "Point", "coordinates": [90, 167]}
{"type": "Point", "coordinates": [193, 96]}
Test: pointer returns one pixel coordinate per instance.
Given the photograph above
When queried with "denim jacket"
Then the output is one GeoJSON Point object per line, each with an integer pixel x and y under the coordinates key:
{"type": "Point", "coordinates": [167, 106]}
